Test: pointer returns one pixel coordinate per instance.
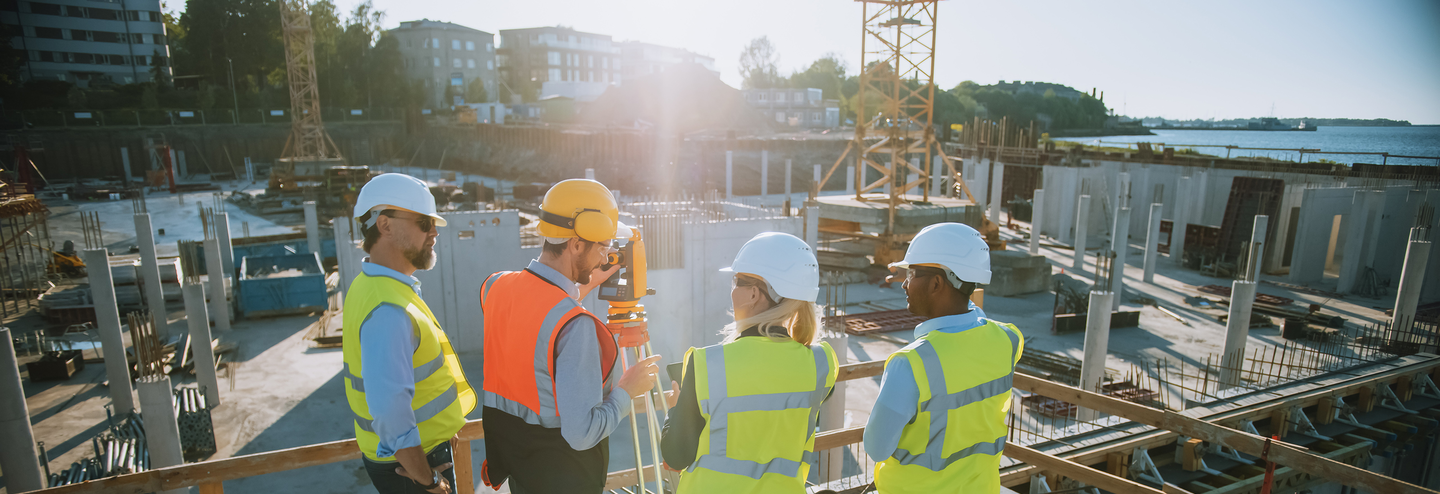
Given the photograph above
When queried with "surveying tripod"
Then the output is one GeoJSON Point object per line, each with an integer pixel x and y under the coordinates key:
{"type": "Point", "coordinates": [626, 320]}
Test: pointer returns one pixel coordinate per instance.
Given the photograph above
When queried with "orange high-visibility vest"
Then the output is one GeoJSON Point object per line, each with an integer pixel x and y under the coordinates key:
{"type": "Point", "coordinates": [523, 317]}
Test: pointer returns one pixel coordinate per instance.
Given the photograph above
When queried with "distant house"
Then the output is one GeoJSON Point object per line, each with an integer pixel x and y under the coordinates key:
{"type": "Point", "coordinates": [87, 43]}
{"type": "Point", "coordinates": [558, 61]}
{"type": "Point", "coordinates": [447, 56]}
{"type": "Point", "coordinates": [804, 108]}
{"type": "Point", "coordinates": [557, 109]}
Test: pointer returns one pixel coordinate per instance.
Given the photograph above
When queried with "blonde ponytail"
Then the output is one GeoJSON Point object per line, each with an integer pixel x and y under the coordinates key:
{"type": "Point", "coordinates": [790, 319]}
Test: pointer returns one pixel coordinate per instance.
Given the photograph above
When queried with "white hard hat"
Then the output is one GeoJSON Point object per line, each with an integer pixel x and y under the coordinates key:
{"type": "Point", "coordinates": [396, 191]}
{"type": "Point", "coordinates": [785, 262]}
{"type": "Point", "coordinates": [953, 246]}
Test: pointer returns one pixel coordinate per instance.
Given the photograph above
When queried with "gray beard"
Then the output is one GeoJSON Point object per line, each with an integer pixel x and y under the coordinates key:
{"type": "Point", "coordinates": [422, 258]}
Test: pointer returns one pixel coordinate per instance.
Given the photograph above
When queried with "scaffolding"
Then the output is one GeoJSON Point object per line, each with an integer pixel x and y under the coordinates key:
{"type": "Point", "coordinates": [308, 139]}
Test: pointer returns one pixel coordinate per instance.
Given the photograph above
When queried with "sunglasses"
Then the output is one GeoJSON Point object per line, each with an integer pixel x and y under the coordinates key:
{"type": "Point", "coordinates": [424, 223]}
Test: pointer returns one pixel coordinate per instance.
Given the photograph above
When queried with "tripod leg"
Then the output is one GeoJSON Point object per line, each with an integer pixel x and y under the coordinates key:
{"type": "Point", "coordinates": [652, 425]}
{"type": "Point", "coordinates": [635, 436]}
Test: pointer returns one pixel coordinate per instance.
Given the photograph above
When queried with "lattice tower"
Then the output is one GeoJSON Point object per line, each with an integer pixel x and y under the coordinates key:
{"type": "Point", "coordinates": [308, 139]}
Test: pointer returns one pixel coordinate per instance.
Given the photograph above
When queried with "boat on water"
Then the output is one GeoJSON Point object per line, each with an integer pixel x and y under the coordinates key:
{"type": "Point", "coordinates": [1274, 124]}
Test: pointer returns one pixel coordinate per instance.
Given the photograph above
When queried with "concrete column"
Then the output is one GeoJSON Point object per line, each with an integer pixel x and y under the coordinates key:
{"type": "Point", "coordinates": [937, 177]}
{"type": "Point", "coordinates": [812, 225]}
{"type": "Point", "coordinates": [219, 304]}
{"type": "Point", "coordinates": [227, 250]}
{"type": "Point", "coordinates": [1120, 241]}
{"type": "Point", "coordinates": [125, 162]}
{"type": "Point", "coordinates": [1412, 279]}
{"type": "Point", "coordinates": [312, 227]}
{"type": "Point", "coordinates": [1152, 241]}
{"type": "Point", "coordinates": [589, 174]}
{"type": "Point", "coordinates": [1082, 221]}
{"type": "Point", "coordinates": [996, 194]}
{"type": "Point", "coordinates": [1037, 210]}
{"type": "Point", "coordinates": [199, 322]}
{"type": "Point", "coordinates": [1097, 345]}
{"type": "Point", "coordinates": [1181, 218]}
{"type": "Point", "coordinates": [849, 179]}
{"type": "Point", "coordinates": [1257, 245]}
{"type": "Point", "coordinates": [162, 430]}
{"type": "Point", "coordinates": [150, 274]}
{"type": "Point", "coordinates": [107, 321]}
{"type": "Point", "coordinates": [832, 413]}
{"type": "Point", "coordinates": [815, 182]}
{"type": "Point", "coordinates": [729, 174]}
{"type": "Point", "coordinates": [18, 458]}
{"type": "Point", "coordinates": [1202, 189]}
{"type": "Point", "coordinates": [978, 182]}
{"type": "Point", "coordinates": [764, 172]}
{"type": "Point", "coordinates": [787, 179]}
{"type": "Point", "coordinates": [1237, 330]}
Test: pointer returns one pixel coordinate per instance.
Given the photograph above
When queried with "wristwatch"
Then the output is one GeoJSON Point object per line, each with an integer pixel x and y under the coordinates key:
{"type": "Point", "coordinates": [433, 484]}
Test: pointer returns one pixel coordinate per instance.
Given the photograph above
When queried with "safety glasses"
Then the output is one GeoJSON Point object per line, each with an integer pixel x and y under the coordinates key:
{"type": "Point", "coordinates": [423, 222]}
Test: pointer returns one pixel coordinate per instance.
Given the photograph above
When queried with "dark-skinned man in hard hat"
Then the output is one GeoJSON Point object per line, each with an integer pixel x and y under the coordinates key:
{"type": "Point", "coordinates": [402, 379]}
{"type": "Point", "coordinates": [938, 424]}
{"type": "Point", "coordinates": [552, 392]}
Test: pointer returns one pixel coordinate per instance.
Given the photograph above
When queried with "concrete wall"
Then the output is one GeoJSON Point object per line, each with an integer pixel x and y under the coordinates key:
{"type": "Point", "coordinates": [1312, 236]}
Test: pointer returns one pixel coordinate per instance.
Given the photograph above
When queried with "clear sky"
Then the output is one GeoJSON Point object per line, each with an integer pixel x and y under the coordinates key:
{"type": "Point", "coordinates": [1200, 59]}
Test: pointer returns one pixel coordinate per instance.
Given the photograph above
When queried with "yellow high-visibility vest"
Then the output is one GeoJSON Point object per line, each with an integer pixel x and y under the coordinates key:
{"type": "Point", "coordinates": [760, 398]}
{"type": "Point", "coordinates": [442, 395]}
{"type": "Point", "coordinates": [955, 442]}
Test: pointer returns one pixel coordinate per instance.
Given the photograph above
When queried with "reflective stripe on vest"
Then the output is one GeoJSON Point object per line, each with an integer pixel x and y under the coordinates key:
{"type": "Point", "coordinates": [520, 344]}
{"type": "Point", "coordinates": [717, 405]}
{"type": "Point", "coordinates": [940, 406]}
{"type": "Point", "coordinates": [440, 382]}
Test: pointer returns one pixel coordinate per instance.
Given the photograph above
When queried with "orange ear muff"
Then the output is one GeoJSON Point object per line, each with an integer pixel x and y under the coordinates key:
{"type": "Point", "coordinates": [594, 226]}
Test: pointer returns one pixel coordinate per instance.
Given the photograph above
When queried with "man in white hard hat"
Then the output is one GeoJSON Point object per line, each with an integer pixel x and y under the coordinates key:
{"type": "Point", "coordinates": [938, 424]}
{"type": "Point", "coordinates": [402, 379]}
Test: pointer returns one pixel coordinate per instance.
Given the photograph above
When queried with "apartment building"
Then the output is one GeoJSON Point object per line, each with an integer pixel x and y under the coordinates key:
{"type": "Point", "coordinates": [803, 108]}
{"type": "Point", "coordinates": [447, 55]}
{"type": "Point", "coordinates": [87, 42]}
{"type": "Point", "coordinates": [559, 61]}
{"type": "Point", "coordinates": [641, 59]}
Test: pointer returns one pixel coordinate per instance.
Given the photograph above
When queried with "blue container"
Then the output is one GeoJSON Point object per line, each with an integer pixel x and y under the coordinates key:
{"type": "Point", "coordinates": [281, 285]}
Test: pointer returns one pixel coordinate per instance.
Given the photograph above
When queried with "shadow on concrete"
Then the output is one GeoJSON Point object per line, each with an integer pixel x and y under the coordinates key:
{"type": "Point", "coordinates": [80, 439]}
{"type": "Point", "coordinates": [275, 331]}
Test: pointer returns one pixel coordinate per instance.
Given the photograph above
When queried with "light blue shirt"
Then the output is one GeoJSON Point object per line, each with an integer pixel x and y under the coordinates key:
{"type": "Point", "coordinates": [590, 407]}
{"type": "Point", "coordinates": [899, 395]}
{"type": "Point", "coordinates": [387, 348]}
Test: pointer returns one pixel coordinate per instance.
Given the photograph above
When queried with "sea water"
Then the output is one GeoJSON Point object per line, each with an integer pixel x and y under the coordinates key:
{"type": "Point", "coordinates": [1408, 141]}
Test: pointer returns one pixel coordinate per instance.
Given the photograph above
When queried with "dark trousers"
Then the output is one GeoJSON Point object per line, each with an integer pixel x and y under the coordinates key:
{"type": "Point", "coordinates": [388, 482]}
{"type": "Point", "coordinates": [536, 460]}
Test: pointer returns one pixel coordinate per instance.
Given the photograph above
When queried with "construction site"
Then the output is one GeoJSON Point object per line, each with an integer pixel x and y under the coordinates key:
{"type": "Point", "coordinates": [1192, 324]}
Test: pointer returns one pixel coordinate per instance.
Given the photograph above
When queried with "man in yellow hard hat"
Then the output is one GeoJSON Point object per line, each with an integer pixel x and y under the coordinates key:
{"type": "Point", "coordinates": [404, 384]}
{"type": "Point", "coordinates": [552, 393]}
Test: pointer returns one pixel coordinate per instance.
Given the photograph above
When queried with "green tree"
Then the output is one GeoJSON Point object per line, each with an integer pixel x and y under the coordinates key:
{"type": "Point", "coordinates": [759, 64]}
{"type": "Point", "coordinates": [158, 74]}
{"type": "Point", "coordinates": [207, 95]}
{"type": "Point", "coordinates": [243, 32]}
{"type": "Point", "coordinates": [75, 97]}
{"type": "Point", "coordinates": [475, 91]}
{"type": "Point", "coordinates": [826, 74]}
{"type": "Point", "coordinates": [150, 98]}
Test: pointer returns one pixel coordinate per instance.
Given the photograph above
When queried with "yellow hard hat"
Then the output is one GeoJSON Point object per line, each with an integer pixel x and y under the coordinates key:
{"type": "Point", "coordinates": [581, 208]}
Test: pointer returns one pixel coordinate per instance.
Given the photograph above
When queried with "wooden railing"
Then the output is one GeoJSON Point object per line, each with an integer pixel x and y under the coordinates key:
{"type": "Point", "coordinates": [209, 475]}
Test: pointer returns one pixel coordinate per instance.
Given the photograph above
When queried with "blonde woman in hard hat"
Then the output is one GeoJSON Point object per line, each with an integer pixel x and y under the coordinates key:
{"type": "Point", "coordinates": [938, 424]}
{"type": "Point", "coordinates": [745, 419]}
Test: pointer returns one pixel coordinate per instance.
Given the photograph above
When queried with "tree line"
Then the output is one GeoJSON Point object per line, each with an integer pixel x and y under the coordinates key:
{"type": "Point", "coordinates": [357, 63]}
{"type": "Point", "coordinates": [759, 61]}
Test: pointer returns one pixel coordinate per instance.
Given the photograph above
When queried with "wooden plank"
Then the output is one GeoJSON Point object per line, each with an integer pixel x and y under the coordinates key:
{"type": "Point", "coordinates": [464, 469]}
{"type": "Point", "coordinates": [1082, 473]}
{"type": "Point", "coordinates": [1192, 456]}
{"type": "Point", "coordinates": [164, 479]}
{"type": "Point", "coordinates": [864, 369]}
{"type": "Point", "coordinates": [1117, 463]}
{"type": "Point", "coordinates": [834, 439]}
{"type": "Point", "coordinates": [1325, 411]}
{"type": "Point", "coordinates": [212, 488]}
{"type": "Point", "coordinates": [1366, 401]}
{"type": "Point", "coordinates": [1280, 422]}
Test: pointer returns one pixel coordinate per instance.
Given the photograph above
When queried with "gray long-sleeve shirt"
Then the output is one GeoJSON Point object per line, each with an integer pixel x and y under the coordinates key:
{"type": "Point", "coordinates": [590, 407]}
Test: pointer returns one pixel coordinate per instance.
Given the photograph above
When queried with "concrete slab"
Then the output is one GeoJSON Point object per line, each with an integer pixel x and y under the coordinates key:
{"type": "Point", "coordinates": [873, 213]}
